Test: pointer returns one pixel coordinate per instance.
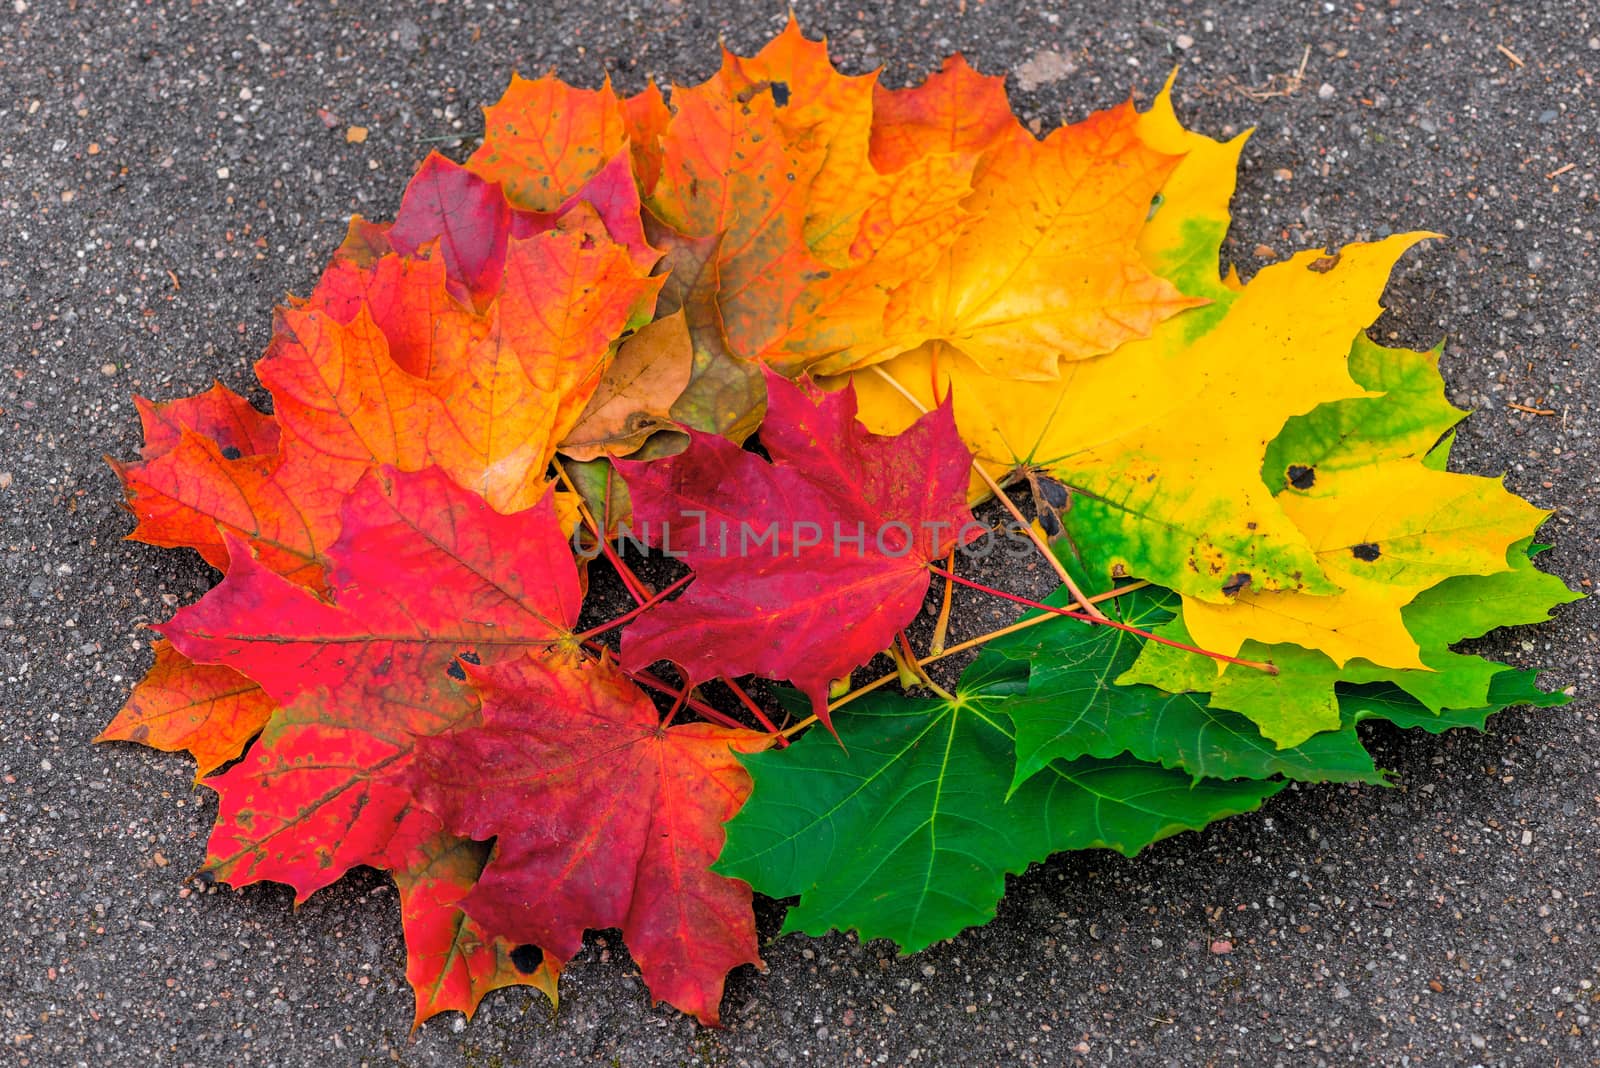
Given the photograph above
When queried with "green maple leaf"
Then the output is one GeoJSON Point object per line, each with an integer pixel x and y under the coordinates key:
{"type": "Point", "coordinates": [905, 831]}
{"type": "Point", "coordinates": [1073, 707]}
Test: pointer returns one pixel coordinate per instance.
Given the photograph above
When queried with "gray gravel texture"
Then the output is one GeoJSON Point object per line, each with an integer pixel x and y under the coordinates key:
{"type": "Point", "coordinates": [170, 171]}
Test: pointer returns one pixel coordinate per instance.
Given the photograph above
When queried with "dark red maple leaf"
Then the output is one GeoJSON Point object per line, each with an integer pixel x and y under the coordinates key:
{"type": "Point", "coordinates": [601, 817]}
{"type": "Point", "coordinates": [807, 566]}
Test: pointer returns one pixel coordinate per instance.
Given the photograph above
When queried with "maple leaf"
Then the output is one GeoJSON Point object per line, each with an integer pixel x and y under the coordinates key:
{"type": "Point", "coordinates": [471, 221]}
{"type": "Point", "coordinates": [637, 394]}
{"type": "Point", "coordinates": [1027, 284]}
{"type": "Point", "coordinates": [956, 110]}
{"type": "Point", "coordinates": [1419, 524]}
{"type": "Point", "coordinates": [209, 711]}
{"type": "Point", "coordinates": [385, 366]}
{"type": "Point", "coordinates": [545, 139]}
{"type": "Point", "coordinates": [423, 571]}
{"type": "Point", "coordinates": [219, 413]}
{"type": "Point", "coordinates": [524, 373]}
{"type": "Point", "coordinates": [1162, 488]}
{"type": "Point", "coordinates": [1304, 696]}
{"type": "Point", "coordinates": [906, 831]}
{"type": "Point", "coordinates": [629, 819]}
{"type": "Point", "coordinates": [209, 464]}
{"type": "Point", "coordinates": [1080, 701]}
{"type": "Point", "coordinates": [726, 393]}
{"type": "Point", "coordinates": [900, 499]}
{"type": "Point", "coordinates": [206, 710]}
{"type": "Point", "coordinates": [611, 276]}
{"type": "Point", "coordinates": [451, 961]}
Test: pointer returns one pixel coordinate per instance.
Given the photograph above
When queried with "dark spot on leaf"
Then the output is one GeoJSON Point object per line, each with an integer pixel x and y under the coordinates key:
{"type": "Point", "coordinates": [1367, 551]}
{"type": "Point", "coordinates": [1302, 477]}
{"type": "Point", "coordinates": [231, 452]}
{"type": "Point", "coordinates": [1324, 264]}
{"type": "Point", "coordinates": [527, 958]}
{"type": "Point", "coordinates": [1051, 492]}
{"type": "Point", "coordinates": [1155, 206]}
{"type": "Point", "coordinates": [780, 94]}
{"type": "Point", "coordinates": [1239, 582]}
{"type": "Point", "coordinates": [469, 656]}
{"type": "Point", "coordinates": [455, 672]}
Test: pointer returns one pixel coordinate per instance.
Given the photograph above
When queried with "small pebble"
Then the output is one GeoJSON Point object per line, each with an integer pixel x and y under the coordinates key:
{"type": "Point", "coordinates": [1184, 41]}
{"type": "Point", "coordinates": [1325, 92]}
{"type": "Point", "coordinates": [355, 135]}
{"type": "Point", "coordinates": [108, 369]}
{"type": "Point", "coordinates": [1222, 947]}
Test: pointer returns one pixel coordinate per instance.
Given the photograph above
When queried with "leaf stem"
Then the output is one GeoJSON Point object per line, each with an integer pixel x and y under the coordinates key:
{"type": "Point", "coordinates": [960, 647]}
{"type": "Point", "coordinates": [750, 703]}
{"type": "Point", "coordinates": [644, 678]}
{"type": "Point", "coordinates": [909, 658]}
{"type": "Point", "coordinates": [677, 706]}
{"type": "Point", "coordinates": [1010, 505]}
{"type": "Point", "coordinates": [1101, 620]}
{"type": "Point", "coordinates": [636, 610]}
{"type": "Point", "coordinates": [638, 589]}
{"type": "Point", "coordinates": [941, 629]}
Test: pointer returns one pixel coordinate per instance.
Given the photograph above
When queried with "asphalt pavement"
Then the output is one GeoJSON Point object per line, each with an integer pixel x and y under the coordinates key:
{"type": "Point", "coordinates": [171, 171]}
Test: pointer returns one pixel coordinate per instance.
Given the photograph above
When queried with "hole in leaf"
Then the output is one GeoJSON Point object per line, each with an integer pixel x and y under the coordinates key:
{"type": "Point", "coordinates": [231, 452]}
{"type": "Point", "coordinates": [1239, 582]}
{"type": "Point", "coordinates": [527, 958]}
{"type": "Point", "coordinates": [1302, 477]}
{"type": "Point", "coordinates": [1367, 551]}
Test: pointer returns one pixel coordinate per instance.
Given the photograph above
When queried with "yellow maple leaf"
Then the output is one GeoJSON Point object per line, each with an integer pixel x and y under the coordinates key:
{"type": "Point", "coordinates": [1383, 532]}
{"type": "Point", "coordinates": [1048, 266]}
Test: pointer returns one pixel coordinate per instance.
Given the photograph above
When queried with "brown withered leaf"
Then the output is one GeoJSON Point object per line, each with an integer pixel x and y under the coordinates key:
{"type": "Point", "coordinates": [636, 394]}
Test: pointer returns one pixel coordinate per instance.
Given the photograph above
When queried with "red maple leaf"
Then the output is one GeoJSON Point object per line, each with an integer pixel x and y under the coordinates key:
{"type": "Point", "coordinates": [468, 219]}
{"type": "Point", "coordinates": [451, 960]}
{"type": "Point", "coordinates": [807, 566]}
{"type": "Point", "coordinates": [602, 817]}
{"type": "Point", "coordinates": [422, 572]}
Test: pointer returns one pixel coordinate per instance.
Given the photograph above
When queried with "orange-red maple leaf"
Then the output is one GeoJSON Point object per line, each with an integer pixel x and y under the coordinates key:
{"type": "Point", "coordinates": [452, 962]}
{"type": "Point", "coordinates": [208, 710]}
{"type": "Point", "coordinates": [545, 138]}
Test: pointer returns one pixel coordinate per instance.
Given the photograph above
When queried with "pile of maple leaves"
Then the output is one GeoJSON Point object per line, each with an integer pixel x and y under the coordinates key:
{"type": "Point", "coordinates": [909, 301]}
